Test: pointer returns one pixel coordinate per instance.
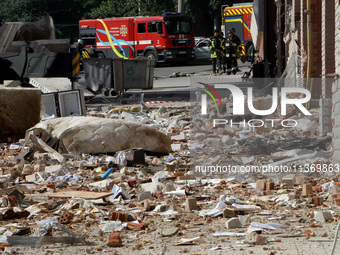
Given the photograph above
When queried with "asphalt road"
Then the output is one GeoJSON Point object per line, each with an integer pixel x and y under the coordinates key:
{"type": "Point", "coordinates": [166, 87]}
{"type": "Point", "coordinates": [166, 70]}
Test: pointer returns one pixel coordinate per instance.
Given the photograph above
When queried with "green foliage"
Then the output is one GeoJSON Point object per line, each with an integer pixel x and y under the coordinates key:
{"type": "Point", "coordinates": [67, 13]}
{"type": "Point", "coordinates": [130, 8]}
{"type": "Point", "coordinates": [22, 10]}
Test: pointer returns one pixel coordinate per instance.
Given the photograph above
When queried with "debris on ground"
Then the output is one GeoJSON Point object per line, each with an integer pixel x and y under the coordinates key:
{"type": "Point", "coordinates": [122, 183]}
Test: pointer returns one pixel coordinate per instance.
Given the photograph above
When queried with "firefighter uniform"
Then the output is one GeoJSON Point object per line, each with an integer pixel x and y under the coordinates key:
{"type": "Point", "coordinates": [231, 56]}
{"type": "Point", "coordinates": [216, 46]}
{"type": "Point", "coordinates": [224, 60]}
{"type": "Point", "coordinates": [236, 40]}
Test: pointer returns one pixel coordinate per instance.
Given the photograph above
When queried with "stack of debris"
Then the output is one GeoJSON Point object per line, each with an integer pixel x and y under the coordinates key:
{"type": "Point", "coordinates": [134, 182]}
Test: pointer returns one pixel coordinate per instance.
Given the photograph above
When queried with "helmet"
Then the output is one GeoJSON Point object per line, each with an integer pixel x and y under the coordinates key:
{"type": "Point", "coordinates": [216, 30]}
{"type": "Point", "coordinates": [230, 32]}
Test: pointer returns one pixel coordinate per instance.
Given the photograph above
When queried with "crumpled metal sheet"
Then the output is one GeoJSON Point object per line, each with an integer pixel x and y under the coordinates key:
{"type": "Point", "coordinates": [99, 135]}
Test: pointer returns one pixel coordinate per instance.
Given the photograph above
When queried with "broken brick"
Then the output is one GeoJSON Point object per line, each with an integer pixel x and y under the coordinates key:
{"type": "Point", "coordinates": [136, 226]}
{"type": "Point", "coordinates": [115, 239]}
{"type": "Point", "coordinates": [307, 189]}
{"type": "Point", "coordinates": [66, 217]}
{"type": "Point", "coordinates": [119, 216]}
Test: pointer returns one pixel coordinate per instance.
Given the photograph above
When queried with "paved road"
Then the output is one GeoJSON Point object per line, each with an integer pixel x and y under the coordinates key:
{"type": "Point", "coordinates": [168, 88]}
{"type": "Point", "coordinates": [165, 70]}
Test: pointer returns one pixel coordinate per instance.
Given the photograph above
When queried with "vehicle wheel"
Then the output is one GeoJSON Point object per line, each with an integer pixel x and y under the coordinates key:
{"type": "Point", "coordinates": [249, 55]}
{"type": "Point", "coordinates": [151, 55]}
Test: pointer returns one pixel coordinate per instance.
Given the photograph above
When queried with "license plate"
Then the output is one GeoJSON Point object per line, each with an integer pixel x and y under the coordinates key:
{"type": "Point", "coordinates": [182, 52]}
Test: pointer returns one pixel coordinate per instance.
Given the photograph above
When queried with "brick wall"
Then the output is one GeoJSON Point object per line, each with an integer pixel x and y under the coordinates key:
{"type": "Point", "coordinates": [337, 36]}
{"type": "Point", "coordinates": [328, 64]}
{"type": "Point", "coordinates": [336, 87]}
{"type": "Point", "coordinates": [327, 44]}
{"type": "Point", "coordinates": [303, 37]}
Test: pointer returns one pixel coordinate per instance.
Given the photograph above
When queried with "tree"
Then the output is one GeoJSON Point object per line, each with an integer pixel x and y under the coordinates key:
{"type": "Point", "coordinates": [131, 8]}
{"type": "Point", "coordinates": [22, 10]}
{"type": "Point", "coordinates": [202, 14]}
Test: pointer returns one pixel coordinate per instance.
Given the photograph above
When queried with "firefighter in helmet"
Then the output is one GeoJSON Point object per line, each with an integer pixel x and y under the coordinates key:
{"type": "Point", "coordinates": [216, 46]}
{"type": "Point", "coordinates": [236, 40]}
{"type": "Point", "coordinates": [230, 53]}
{"type": "Point", "coordinates": [223, 58]}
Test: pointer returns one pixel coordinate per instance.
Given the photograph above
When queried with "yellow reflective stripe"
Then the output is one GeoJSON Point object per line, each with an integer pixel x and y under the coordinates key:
{"type": "Point", "coordinates": [240, 20]}
{"type": "Point", "coordinates": [239, 11]}
{"type": "Point", "coordinates": [75, 70]}
{"type": "Point", "coordinates": [110, 40]}
{"type": "Point", "coordinates": [75, 59]}
{"type": "Point", "coordinates": [86, 54]}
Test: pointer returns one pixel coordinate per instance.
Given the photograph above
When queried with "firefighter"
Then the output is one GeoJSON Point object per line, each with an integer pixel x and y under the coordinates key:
{"type": "Point", "coordinates": [235, 45]}
{"type": "Point", "coordinates": [216, 47]}
{"type": "Point", "coordinates": [230, 53]}
{"type": "Point", "coordinates": [237, 40]}
{"type": "Point", "coordinates": [224, 60]}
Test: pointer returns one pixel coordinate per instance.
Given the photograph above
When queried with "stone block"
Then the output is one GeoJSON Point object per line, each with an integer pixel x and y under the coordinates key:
{"type": "Point", "coordinates": [153, 187]}
{"type": "Point", "coordinates": [289, 180]}
{"type": "Point", "coordinates": [145, 195]}
{"type": "Point", "coordinates": [261, 185]}
{"type": "Point", "coordinates": [322, 216]}
{"type": "Point", "coordinates": [307, 189]}
{"type": "Point", "coordinates": [233, 223]}
{"type": "Point", "coordinates": [227, 213]}
{"type": "Point", "coordinates": [176, 147]}
{"type": "Point", "coordinates": [190, 204]}
{"type": "Point", "coordinates": [19, 111]}
{"type": "Point", "coordinates": [255, 238]}
{"type": "Point", "coordinates": [244, 219]}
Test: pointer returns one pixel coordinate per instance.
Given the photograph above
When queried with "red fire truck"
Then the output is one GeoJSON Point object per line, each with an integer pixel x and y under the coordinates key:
{"type": "Point", "coordinates": [239, 17]}
{"type": "Point", "coordinates": [164, 38]}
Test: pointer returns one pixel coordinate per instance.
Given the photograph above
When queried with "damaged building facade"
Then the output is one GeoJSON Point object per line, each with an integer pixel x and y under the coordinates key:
{"type": "Point", "coordinates": [303, 45]}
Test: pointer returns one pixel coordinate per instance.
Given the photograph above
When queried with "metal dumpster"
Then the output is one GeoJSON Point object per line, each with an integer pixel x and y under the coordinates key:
{"type": "Point", "coordinates": [111, 76]}
{"type": "Point", "coordinates": [133, 73]}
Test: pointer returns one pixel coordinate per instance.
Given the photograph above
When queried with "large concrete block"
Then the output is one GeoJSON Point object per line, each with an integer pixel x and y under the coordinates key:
{"type": "Point", "coordinates": [19, 111]}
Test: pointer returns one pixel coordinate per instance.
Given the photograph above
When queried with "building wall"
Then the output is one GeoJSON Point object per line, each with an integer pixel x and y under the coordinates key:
{"type": "Point", "coordinates": [328, 42]}
{"type": "Point", "coordinates": [328, 64]}
{"type": "Point", "coordinates": [336, 87]}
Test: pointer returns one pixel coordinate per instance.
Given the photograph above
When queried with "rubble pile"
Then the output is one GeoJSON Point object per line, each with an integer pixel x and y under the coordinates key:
{"type": "Point", "coordinates": [137, 200]}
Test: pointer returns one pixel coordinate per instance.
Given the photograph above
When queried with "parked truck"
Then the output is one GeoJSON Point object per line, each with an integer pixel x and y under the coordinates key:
{"type": "Point", "coordinates": [165, 38]}
{"type": "Point", "coordinates": [239, 17]}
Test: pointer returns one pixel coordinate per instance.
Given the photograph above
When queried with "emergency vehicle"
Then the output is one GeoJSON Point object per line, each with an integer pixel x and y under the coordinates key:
{"type": "Point", "coordinates": [164, 38]}
{"type": "Point", "coordinates": [239, 17]}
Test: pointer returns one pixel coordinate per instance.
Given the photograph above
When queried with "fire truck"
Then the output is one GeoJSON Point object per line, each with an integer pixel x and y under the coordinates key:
{"type": "Point", "coordinates": [165, 38]}
{"type": "Point", "coordinates": [239, 17]}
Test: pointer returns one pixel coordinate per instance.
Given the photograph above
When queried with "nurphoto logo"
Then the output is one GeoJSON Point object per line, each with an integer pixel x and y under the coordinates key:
{"type": "Point", "coordinates": [239, 99]}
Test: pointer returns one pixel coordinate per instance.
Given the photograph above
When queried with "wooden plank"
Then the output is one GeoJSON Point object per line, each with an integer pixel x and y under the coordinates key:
{"type": "Point", "coordinates": [80, 194]}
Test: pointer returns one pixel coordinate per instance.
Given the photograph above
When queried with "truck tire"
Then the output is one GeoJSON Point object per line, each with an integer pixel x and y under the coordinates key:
{"type": "Point", "coordinates": [151, 55]}
{"type": "Point", "coordinates": [250, 53]}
